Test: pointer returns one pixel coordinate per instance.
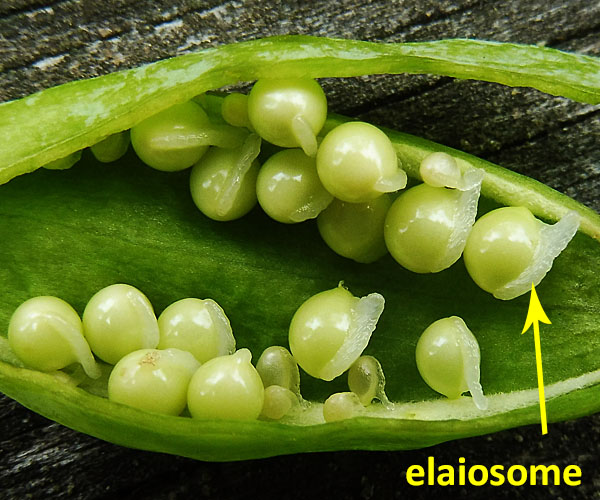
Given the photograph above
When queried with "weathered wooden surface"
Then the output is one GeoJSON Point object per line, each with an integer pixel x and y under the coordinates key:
{"type": "Point", "coordinates": [47, 42]}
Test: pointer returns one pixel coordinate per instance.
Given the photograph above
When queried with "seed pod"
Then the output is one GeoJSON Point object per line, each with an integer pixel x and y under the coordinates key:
{"type": "Point", "coordinates": [227, 387]}
{"type": "Point", "coordinates": [46, 334]}
{"type": "Point", "coordinates": [117, 320]}
{"type": "Point", "coordinates": [331, 330]}
{"type": "Point", "coordinates": [153, 380]}
{"type": "Point", "coordinates": [448, 359]}
{"type": "Point", "coordinates": [197, 326]}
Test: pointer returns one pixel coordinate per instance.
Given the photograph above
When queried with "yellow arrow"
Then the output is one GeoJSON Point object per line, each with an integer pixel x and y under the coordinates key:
{"type": "Point", "coordinates": [534, 316]}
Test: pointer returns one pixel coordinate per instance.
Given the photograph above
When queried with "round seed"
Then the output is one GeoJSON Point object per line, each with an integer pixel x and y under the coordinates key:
{"type": "Point", "coordinates": [288, 113]}
{"type": "Point", "coordinates": [153, 380]}
{"type": "Point", "coordinates": [331, 330]}
{"type": "Point", "coordinates": [448, 359]}
{"type": "Point", "coordinates": [278, 402]}
{"type": "Point", "coordinates": [169, 140]}
{"type": "Point", "coordinates": [341, 406]}
{"type": "Point", "coordinates": [426, 228]}
{"type": "Point", "coordinates": [197, 326]}
{"type": "Point", "coordinates": [355, 230]}
{"type": "Point", "coordinates": [501, 246]}
{"type": "Point", "coordinates": [441, 170]}
{"type": "Point", "coordinates": [112, 148]}
{"type": "Point", "coordinates": [223, 183]}
{"type": "Point", "coordinates": [276, 366]}
{"type": "Point", "coordinates": [288, 187]}
{"type": "Point", "coordinates": [64, 163]}
{"type": "Point", "coordinates": [234, 110]}
{"type": "Point", "coordinates": [367, 381]}
{"type": "Point", "coordinates": [509, 249]}
{"type": "Point", "coordinates": [356, 163]}
{"type": "Point", "coordinates": [227, 387]}
{"type": "Point", "coordinates": [46, 334]}
{"type": "Point", "coordinates": [117, 320]}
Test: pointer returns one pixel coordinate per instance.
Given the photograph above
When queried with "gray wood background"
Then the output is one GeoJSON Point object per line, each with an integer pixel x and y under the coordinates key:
{"type": "Point", "coordinates": [48, 42]}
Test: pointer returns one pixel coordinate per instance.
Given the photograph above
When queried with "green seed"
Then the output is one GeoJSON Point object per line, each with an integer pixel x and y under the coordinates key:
{"type": "Point", "coordinates": [288, 113]}
{"type": "Point", "coordinates": [331, 330]}
{"type": "Point", "coordinates": [276, 366]}
{"type": "Point", "coordinates": [288, 187]}
{"type": "Point", "coordinates": [426, 228]}
{"type": "Point", "coordinates": [117, 320]}
{"type": "Point", "coordinates": [234, 110]}
{"type": "Point", "coordinates": [341, 406]}
{"type": "Point", "coordinates": [357, 163]}
{"type": "Point", "coordinates": [355, 230]}
{"type": "Point", "coordinates": [440, 170]}
{"type": "Point", "coordinates": [64, 163]}
{"type": "Point", "coordinates": [448, 359]}
{"type": "Point", "coordinates": [197, 326]}
{"type": "Point", "coordinates": [223, 183]}
{"type": "Point", "coordinates": [227, 387]}
{"type": "Point", "coordinates": [112, 148]}
{"type": "Point", "coordinates": [153, 380]}
{"type": "Point", "coordinates": [278, 402]}
{"type": "Point", "coordinates": [509, 249]}
{"type": "Point", "coordinates": [46, 334]}
{"type": "Point", "coordinates": [169, 140]}
{"type": "Point", "coordinates": [367, 381]}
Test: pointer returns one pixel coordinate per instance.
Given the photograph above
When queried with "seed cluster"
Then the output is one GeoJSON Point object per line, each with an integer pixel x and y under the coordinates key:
{"type": "Point", "coordinates": [188, 358]}
{"type": "Point", "coordinates": [348, 179]}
